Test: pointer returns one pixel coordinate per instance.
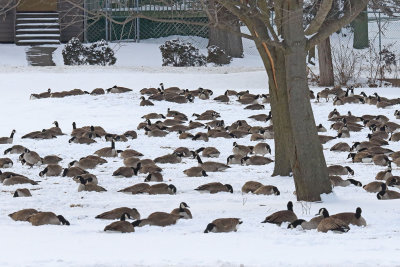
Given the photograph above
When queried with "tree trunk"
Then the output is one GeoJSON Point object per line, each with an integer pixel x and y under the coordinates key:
{"type": "Point", "coordinates": [307, 159]}
{"type": "Point", "coordinates": [231, 43]}
{"type": "Point", "coordinates": [326, 77]}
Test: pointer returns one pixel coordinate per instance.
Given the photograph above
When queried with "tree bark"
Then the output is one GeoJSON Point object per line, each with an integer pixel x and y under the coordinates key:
{"type": "Point", "coordinates": [307, 159]}
{"type": "Point", "coordinates": [326, 77]}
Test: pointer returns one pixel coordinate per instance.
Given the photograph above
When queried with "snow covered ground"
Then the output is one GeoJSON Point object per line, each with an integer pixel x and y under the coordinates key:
{"type": "Point", "coordinates": [85, 244]}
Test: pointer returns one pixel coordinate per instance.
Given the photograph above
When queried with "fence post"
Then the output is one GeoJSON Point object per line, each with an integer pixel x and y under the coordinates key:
{"type": "Point", "coordinates": [137, 23]}
{"type": "Point", "coordinates": [106, 22]}
{"type": "Point", "coordinates": [360, 26]}
{"type": "Point", "coordinates": [380, 34]}
{"type": "Point", "coordinates": [85, 5]}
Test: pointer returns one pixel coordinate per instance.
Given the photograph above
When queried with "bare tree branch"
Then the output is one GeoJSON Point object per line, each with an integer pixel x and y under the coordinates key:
{"type": "Point", "coordinates": [319, 19]}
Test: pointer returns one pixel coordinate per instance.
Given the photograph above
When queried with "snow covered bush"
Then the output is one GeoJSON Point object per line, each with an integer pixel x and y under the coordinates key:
{"type": "Point", "coordinates": [99, 53]}
{"type": "Point", "coordinates": [218, 56]}
{"type": "Point", "coordinates": [180, 54]}
{"type": "Point", "coordinates": [74, 52]}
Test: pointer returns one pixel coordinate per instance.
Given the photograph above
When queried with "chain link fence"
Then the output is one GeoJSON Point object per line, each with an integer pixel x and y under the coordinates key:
{"type": "Point", "coordinates": [115, 20]}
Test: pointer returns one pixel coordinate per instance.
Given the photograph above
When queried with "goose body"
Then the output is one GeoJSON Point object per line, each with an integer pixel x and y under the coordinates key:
{"type": "Point", "coordinates": [158, 219]}
{"type": "Point", "coordinates": [211, 166]}
{"type": "Point", "coordinates": [195, 172]}
{"type": "Point", "coordinates": [223, 225]}
{"type": "Point", "coordinates": [215, 187]}
{"type": "Point", "coordinates": [107, 151]}
{"type": "Point", "coordinates": [338, 181]}
{"type": "Point", "coordinates": [388, 194]}
{"type": "Point", "coordinates": [331, 224]}
{"type": "Point", "coordinates": [375, 187]}
{"type": "Point", "coordinates": [31, 158]}
{"type": "Point", "coordinates": [310, 225]}
{"type": "Point", "coordinates": [158, 189]}
{"type": "Point", "coordinates": [241, 150]}
{"type": "Point", "coordinates": [22, 215]}
{"type": "Point", "coordinates": [43, 218]}
{"type": "Point", "coordinates": [256, 160]}
{"type": "Point", "coordinates": [251, 186]}
{"type": "Point", "coordinates": [282, 216]}
{"type": "Point", "coordinates": [170, 158]}
{"type": "Point", "coordinates": [7, 140]}
{"type": "Point", "coordinates": [340, 170]}
{"type": "Point", "coordinates": [15, 149]}
{"type": "Point", "coordinates": [127, 171]}
{"type": "Point", "coordinates": [87, 185]}
{"type": "Point", "coordinates": [209, 152]}
{"type": "Point", "coordinates": [51, 159]}
{"type": "Point", "coordinates": [73, 171]}
{"type": "Point", "coordinates": [6, 163]}
{"type": "Point", "coordinates": [351, 218]}
{"type": "Point", "coordinates": [341, 147]}
{"type": "Point", "coordinates": [183, 211]}
{"type": "Point", "coordinates": [22, 192]}
{"type": "Point", "coordinates": [118, 212]}
{"type": "Point", "coordinates": [267, 190]}
{"type": "Point", "coordinates": [261, 149]}
{"type": "Point", "coordinates": [51, 170]}
{"type": "Point", "coordinates": [18, 180]}
{"type": "Point", "coordinates": [234, 159]}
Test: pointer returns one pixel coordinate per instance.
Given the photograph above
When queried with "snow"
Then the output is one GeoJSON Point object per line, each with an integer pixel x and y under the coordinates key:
{"type": "Point", "coordinates": [85, 244]}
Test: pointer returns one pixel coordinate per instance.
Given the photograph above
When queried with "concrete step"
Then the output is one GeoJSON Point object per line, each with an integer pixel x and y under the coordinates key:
{"type": "Point", "coordinates": [38, 31]}
{"type": "Point", "coordinates": [37, 42]}
{"type": "Point", "coordinates": [37, 15]}
{"type": "Point", "coordinates": [20, 21]}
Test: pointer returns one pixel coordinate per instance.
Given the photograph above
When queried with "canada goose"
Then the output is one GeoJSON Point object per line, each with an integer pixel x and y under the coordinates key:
{"type": "Point", "coordinates": [42, 218]}
{"type": "Point", "coordinates": [154, 177]}
{"type": "Point", "coordinates": [211, 166]}
{"type": "Point", "coordinates": [41, 95]}
{"type": "Point", "coordinates": [234, 159]}
{"type": "Point", "coordinates": [87, 185]}
{"type": "Point", "coordinates": [98, 91]}
{"type": "Point", "coordinates": [131, 162]}
{"type": "Point", "coordinates": [222, 98]}
{"type": "Point", "coordinates": [251, 186]}
{"type": "Point", "coordinates": [261, 149]}
{"type": "Point", "coordinates": [384, 175]}
{"type": "Point", "coordinates": [5, 175]}
{"type": "Point", "coordinates": [127, 171]}
{"type": "Point", "coordinates": [84, 163]}
{"type": "Point", "coordinates": [310, 225]}
{"type": "Point", "coordinates": [267, 190]}
{"type": "Point", "coordinates": [149, 168]}
{"type": "Point", "coordinates": [12, 180]}
{"type": "Point", "coordinates": [107, 151]}
{"type": "Point", "coordinates": [255, 107]}
{"type": "Point", "coordinates": [340, 170]}
{"type": "Point", "coordinates": [381, 160]}
{"type": "Point", "coordinates": [55, 130]}
{"type": "Point", "coordinates": [31, 158]}
{"type": "Point", "coordinates": [331, 224]}
{"type": "Point", "coordinates": [388, 194]}
{"type": "Point", "coordinates": [321, 128]}
{"type": "Point", "coordinates": [158, 219]}
{"type": "Point", "coordinates": [338, 181]}
{"type": "Point", "coordinates": [333, 114]}
{"type": "Point", "coordinates": [282, 216]}
{"type": "Point", "coordinates": [118, 90]}
{"type": "Point", "coordinates": [6, 163]}
{"type": "Point", "coordinates": [162, 188]}
{"type": "Point", "coordinates": [248, 100]}
{"type": "Point", "coordinates": [128, 153]}
{"type": "Point", "coordinates": [201, 137]}
{"type": "Point", "coordinates": [15, 149]}
{"type": "Point", "coordinates": [361, 145]}
{"type": "Point", "coordinates": [382, 103]}
{"type": "Point", "coordinates": [375, 187]}
{"type": "Point", "coordinates": [394, 137]}
{"type": "Point", "coordinates": [22, 192]}
{"type": "Point", "coordinates": [155, 132]}
{"type": "Point", "coordinates": [184, 151]}
{"type": "Point", "coordinates": [240, 149]}
{"type": "Point", "coordinates": [255, 160]}
{"type": "Point", "coordinates": [170, 158]}
{"type": "Point", "coordinates": [150, 91]}
{"type": "Point", "coordinates": [51, 170]}
{"type": "Point", "coordinates": [182, 211]}
{"type": "Point", "coordinates": [215, 187]}
{"type": "Point", "coordinates": [82, 140]}
{"type": "Point", "coordinates": [393, 181]}
{"type": "Point", "coordinates": [184, 135]}
{"type": "Point", "coordinates": [7, 140]}
{"type": "Point", "coordinates": [22, 215]}
{"type": "Point", "coordinates": [397, 114]}
{"type": "Point", "coordinates": [206, 116]}
{"type": "Point", "coordinates": [51, 159]}
{"type": "Point", "coordinates": [121, 225]}
{"type": "Point", "coordinates": [325, 138]}
{"type": "Point", "coordinates": [341, 147]}
{"type": "Point", "coordinates": [86, 177]}
{"type": "Point", "coordinates": [73, 171]}
{"type": "Point", "coordinates": [136, 189]}
{"type": "Point", "coordinates": [118, 212]}
{"type": "Point", "coordinates": [261, 117]}
{"type": "Point", "coordinates": [195, 124]}
{"type": "Point", "coordinates": [98, 131]}
{"type": "Point", "coordinates": [195, 172]}
{"type": "Point", "coordinates": [223, 225]}
{"type": "Point", "coordinates": [116, 138]}
{"type": "Point", "coordinates": [209, 152]}
{"type": "Point", "coordinates": [351, 218]}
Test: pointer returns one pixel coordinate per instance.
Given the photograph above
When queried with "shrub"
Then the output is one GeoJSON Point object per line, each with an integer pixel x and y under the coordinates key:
{"type": "Point", "coordinates": [74, 52]}
{"type": "Point", "coordinates": [180, 54]}
{"type": "Point", "coordinates": [218, 56]}
{"type": "Point", "coordinates": [99, 53]}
